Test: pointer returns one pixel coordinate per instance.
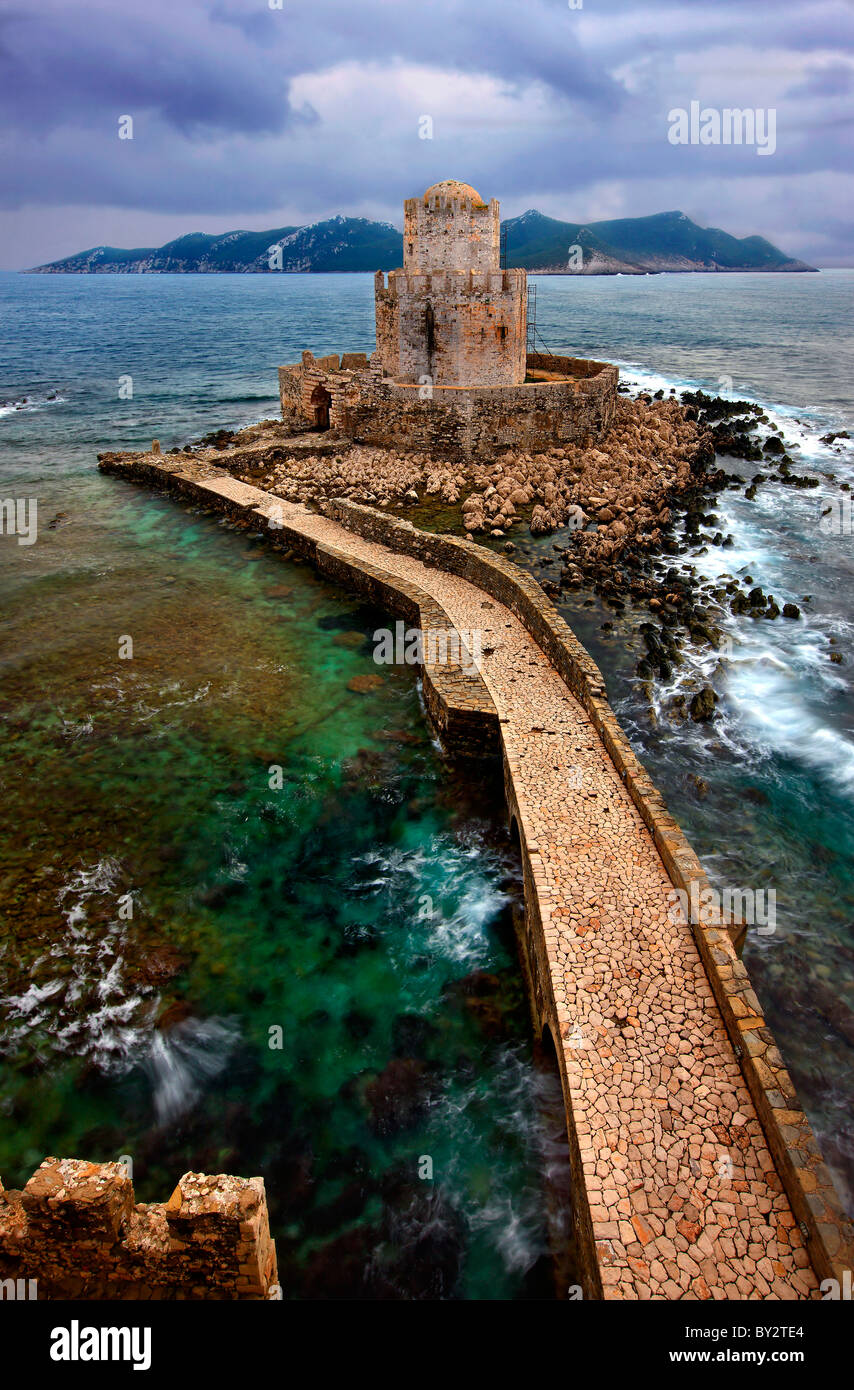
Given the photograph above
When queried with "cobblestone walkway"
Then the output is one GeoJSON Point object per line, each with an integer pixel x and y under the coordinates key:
{"type": "Point", "coordinates": [683, 1192]}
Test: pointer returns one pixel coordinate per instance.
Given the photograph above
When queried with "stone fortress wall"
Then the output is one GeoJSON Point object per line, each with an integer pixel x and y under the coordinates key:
{"type": "Point", "coordinates": [478, 326]}
{"type": "Point", "coordinates": [451, 373]}
{"type": "Point", "coordinates": [366, 405]}
{"type": "Point", "coordinates": [77, 1232]}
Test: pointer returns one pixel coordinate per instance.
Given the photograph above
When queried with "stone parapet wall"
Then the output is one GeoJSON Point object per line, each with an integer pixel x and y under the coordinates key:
{"type": "Point", "coordinates": [460, 706]}
{"type": "Point", "coordinates": [453, 283]}
{"type": "Point", "coordinates": [463, 423]}
{"type": "Point", "coordinates": [580, 367]}
{"type": "Point", "coordinates": [790, 1138]}
{"type": "Point", "coordinates": [77, 1230]}
{"type": "Point", "coordinates": [455, 422]}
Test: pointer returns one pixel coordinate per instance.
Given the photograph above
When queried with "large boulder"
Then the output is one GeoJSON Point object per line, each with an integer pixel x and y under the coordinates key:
{"type": "Point", "coordinates": [702, 706]}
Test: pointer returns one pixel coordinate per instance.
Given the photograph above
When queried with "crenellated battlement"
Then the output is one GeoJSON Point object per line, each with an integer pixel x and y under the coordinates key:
{"type": "Point", "coordinates": [77, 1232]}
{"type": "Point", "coordinates": [450, 372]}
{"type": "Point", "coordinates": [451, 228]}
{"type": "Point", "coordinates": [456, 282]}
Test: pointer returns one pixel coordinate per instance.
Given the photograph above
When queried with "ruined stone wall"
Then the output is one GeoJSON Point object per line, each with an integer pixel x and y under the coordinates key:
{"type": "Point", "coordinates": [77, 1230]}
{"type": "Point", "coordinates": [291, 394]}
{"type": "Point", "coordinates": [460, 423]}
{"type": "Point", "coordinates": [388, 330]}
{"type": "Point", "coordinates": [442, 233]}
{"type": "Point", "coordinates": [566, 366]}
{"type": "Point", "coordinates": [299, 381]}
{"type": "Point", "coordinates": [456, 422]}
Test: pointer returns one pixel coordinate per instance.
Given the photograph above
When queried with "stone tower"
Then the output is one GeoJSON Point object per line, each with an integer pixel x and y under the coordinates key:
{"type": "Point", "coordinates": [452, 316]}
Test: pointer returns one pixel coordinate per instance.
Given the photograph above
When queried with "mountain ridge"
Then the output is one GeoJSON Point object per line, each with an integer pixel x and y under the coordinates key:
{"type": "Point", "coordinates": [667, 242]}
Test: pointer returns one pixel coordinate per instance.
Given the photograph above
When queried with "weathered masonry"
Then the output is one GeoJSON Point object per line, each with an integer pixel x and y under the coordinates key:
{"type": "Point", "coordinates": [451, 372]}
{"type": "Point", "coordinates": [452, 316]}
{"type": "Point", "coordinates": [696, 1172]}
{"type": "Point", "coordinates": [76, 1231]}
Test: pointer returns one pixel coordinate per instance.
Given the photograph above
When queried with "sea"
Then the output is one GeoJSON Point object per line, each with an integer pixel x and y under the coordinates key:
{"type": "Point", "coordinates": [252, 920]}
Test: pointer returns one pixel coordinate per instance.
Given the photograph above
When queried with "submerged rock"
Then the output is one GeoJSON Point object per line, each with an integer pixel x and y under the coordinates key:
{"type": "Point", "coordinates": [362, 684]}
{"type": "Point", "coordinates": [541, 522]}
{"type": "Point", "coordinates": [398, 1098]}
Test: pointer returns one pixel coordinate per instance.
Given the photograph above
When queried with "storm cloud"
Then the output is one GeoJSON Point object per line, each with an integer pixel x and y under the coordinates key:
{"type": "Point", "coordinates": [245, 115]}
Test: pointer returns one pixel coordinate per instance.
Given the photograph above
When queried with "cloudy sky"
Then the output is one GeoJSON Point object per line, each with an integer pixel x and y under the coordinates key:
{"type": "Point", "coordinates": [247, 114]}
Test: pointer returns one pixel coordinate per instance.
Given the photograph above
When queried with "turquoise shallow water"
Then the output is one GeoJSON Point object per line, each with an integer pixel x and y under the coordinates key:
{"type": "Point", "coordinates": [254, 923]}
{"type": "Point", "coordinates": [318, 980]}
{"type": "Point", "coordinates": [302, 908]}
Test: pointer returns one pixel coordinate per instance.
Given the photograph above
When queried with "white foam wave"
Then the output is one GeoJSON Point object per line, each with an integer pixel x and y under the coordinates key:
{"type": "Point", "coordinates": [780, 690]}
{"type": "Point", "coordinates": [777, 718]}
{"type": "Point", "coordinates": [802, 426]}
{"type": "Point", "coordinates": [27, 404]}
{"type": "Point", "coordinates": [79, 728]}
{"type": "Point", "coordinates": [510, 1218]}
{"type": "Point", "coordinates": [183, 1060]}
{"type": "Point", "coordinates": [451, 901]}
{"type": "Point", "coordinates": [79, 1003]}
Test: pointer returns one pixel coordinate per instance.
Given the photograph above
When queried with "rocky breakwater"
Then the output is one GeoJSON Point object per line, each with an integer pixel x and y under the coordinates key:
{"type": "Point", "coordinates": [612, 494]}
{"type": "Point", "coordinates": [686, 609]}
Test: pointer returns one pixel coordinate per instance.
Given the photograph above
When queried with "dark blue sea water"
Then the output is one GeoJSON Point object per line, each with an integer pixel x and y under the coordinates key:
{"type": "Point", "coordinates": [403, 1037]}
{"type": "Point", "coordinates": [779, 763]}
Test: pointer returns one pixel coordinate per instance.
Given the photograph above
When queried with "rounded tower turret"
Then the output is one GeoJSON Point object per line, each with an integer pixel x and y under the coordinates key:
{"type": "Point", "coordinates": [452, 316]}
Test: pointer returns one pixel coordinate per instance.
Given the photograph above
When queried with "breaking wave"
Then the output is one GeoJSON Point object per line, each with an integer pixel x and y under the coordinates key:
{"type": "Point", "coordinates": [27, 404]}
{"type": "Point", "coordinates": [183, 1060]}
{"type": "Point", "coordinates": [79, 1002]}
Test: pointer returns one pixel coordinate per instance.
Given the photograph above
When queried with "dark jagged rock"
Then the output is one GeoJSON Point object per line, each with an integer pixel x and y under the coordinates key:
{"type": "Point", "coordinates": [702, 706]}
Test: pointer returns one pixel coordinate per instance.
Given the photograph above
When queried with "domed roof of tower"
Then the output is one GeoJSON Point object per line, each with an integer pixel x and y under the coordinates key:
{"type": "Point", "coordinates": [452, 188]}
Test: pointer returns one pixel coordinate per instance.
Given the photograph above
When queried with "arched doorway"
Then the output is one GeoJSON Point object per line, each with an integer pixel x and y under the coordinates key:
{"type": "Point", "coordinates": [320, 403]}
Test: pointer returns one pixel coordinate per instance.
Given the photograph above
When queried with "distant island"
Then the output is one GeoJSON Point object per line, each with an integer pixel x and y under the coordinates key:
{"type": "Point", "coordinates": [665, 242]}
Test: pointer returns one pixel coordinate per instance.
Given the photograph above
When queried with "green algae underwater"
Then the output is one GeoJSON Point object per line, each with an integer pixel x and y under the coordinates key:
{"type": "Point", "coordinates": [256, 923]}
